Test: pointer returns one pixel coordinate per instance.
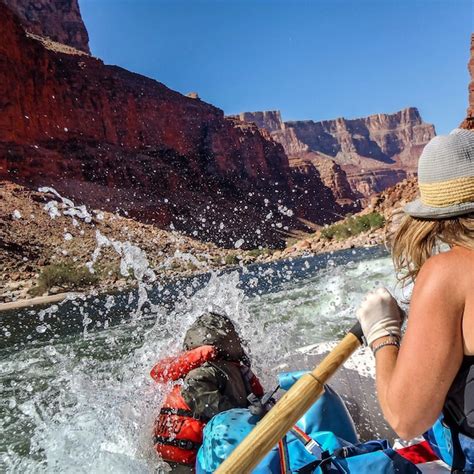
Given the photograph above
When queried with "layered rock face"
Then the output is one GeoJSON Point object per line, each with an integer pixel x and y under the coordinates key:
{"type": "Point", "coordinates": [272, 122]}
{"type": "Point", "coordinates": [334, 177]}
{"type": "Point", "coordinates": [375, 152]}
{"type": "Point", "coordinates": [302, 159]}
{"type": "Point", "coordinates": [120, 141]}
{"type": "Point", "coordinates": [59, 20]}
{"type": "Point", "coordinates": [382, 138]}
{"type": "Point", "coordinates": [469, 121]}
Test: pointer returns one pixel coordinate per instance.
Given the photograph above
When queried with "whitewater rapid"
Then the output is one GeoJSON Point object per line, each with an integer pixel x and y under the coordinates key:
{"type": "Point", "coordinates": [82, 400]}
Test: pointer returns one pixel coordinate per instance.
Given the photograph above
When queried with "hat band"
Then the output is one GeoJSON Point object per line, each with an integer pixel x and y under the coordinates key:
{"type": "Point", "coordinates": [447, 193]}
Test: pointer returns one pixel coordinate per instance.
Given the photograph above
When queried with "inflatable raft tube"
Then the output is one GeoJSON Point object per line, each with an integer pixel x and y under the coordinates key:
{"type": "Point", "coordinates": [354, 382]}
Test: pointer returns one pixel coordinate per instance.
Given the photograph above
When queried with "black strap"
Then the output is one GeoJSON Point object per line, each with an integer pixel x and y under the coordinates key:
{"type": "Point", "coordinates": [356, 330]}
{"type": "Point", "coordinates": [309, 468]}
{"type": "Point", "coordinates": [324, 464]}
{"type": "Point", "coordinates": [178, 443]}
{"type": "Point", "coordinates": [453, 413]}
{"type": "Point", "coordinates": [182, 412]}
{"type": "Point", "coordinates": [459, 458]}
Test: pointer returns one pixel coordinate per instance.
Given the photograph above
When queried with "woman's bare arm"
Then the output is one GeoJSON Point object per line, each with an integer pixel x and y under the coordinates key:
{"type": "Point", "coordinates": [412, 386]}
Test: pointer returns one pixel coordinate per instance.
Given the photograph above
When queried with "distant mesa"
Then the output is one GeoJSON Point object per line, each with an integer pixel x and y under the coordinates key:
{"type": "Point", "coordinates": [374, 152]}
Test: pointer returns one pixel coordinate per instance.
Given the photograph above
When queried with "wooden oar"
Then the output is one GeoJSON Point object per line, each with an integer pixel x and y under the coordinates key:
{"type": "Point", "coordinates": [289, 409]}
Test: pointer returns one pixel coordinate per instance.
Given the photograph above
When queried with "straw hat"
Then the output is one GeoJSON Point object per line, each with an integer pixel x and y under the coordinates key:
{"type": "Point", "coordinates": [445, 177]}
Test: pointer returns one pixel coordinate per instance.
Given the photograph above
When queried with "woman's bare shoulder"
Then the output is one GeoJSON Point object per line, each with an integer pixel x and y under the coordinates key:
{"type": "Point", "coordinates": [448, 270]}
{"type": "Point", "coordinates": [453, 257]}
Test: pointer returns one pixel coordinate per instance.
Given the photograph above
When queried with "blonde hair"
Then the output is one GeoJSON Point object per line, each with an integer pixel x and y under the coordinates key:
{"type": "Point", "coordinates": [415, 240]}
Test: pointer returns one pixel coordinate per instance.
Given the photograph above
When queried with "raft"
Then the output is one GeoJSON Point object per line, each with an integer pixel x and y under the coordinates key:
{"type": "Point", "coordinates": [348, 413]}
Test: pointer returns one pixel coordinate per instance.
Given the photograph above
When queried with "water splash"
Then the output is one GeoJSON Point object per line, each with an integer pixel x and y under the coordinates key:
{"type": "Point", "coordinates": [133, 263]}
{"type": "Point", "coordinates": [97, 412]}
{"type": "Point", "coordinates": [68, 208]}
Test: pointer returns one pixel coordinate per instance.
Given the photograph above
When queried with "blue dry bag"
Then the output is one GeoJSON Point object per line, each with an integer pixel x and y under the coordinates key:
{"type": "Point", "coordinates": [453, 447]}
{"type": "Point", "coordinates": [374, 457]}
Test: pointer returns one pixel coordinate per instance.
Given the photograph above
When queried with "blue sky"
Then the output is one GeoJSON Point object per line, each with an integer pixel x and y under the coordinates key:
{"type": "Point", "coordinates": [312, 59]}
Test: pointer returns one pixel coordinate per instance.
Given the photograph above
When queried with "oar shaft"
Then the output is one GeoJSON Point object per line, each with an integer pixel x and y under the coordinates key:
{"type": "Point", "coordinates": [289, 409]}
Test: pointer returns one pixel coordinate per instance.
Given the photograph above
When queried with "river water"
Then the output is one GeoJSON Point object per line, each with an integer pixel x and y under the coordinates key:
{"type": "Point", "coordinates": [76, 391]}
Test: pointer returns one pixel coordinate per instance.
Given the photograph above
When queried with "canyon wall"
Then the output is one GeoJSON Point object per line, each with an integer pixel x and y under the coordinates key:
{"type": "Point", "coordinates": [302, 159]}
{"type": "Point", "coordinates": [369, 141]}
{"type": "Point", "coordinates": [120, 141]}
{"type": "Point", "coordinates": [271, 121]}
{"type": "Point", "coordinates": [59, 20]}
{"type": "Point", "coordinates": [375, 152]}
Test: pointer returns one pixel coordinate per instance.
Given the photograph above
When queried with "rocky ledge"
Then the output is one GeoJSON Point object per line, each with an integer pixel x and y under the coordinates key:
{"type": "Point", "coordinates": [58, 20]}
{"type": "Point", "coordinates": [41, 235]}
{"type": "Point", "coordinates": [469, 121]}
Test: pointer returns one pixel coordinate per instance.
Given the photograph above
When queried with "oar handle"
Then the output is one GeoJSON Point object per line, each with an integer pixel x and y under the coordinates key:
{"type": "Point", "coordinates": [289, 409]}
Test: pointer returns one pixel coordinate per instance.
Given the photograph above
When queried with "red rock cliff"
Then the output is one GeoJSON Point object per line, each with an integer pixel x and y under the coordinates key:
{"type": "Point", "coordinates": [302, 159]}
{"type": "Point", "coordinates": [271, 121]}
{"type": "Point", "coordinates": [59, 20]}
{"type": "Point", "coordinates": [375, 152]}
{"type": "Point", "coordinates": [114, 139]}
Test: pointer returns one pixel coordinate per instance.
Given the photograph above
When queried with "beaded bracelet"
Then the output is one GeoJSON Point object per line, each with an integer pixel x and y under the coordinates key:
{"type": "Point", "coordinates": [389, 342]}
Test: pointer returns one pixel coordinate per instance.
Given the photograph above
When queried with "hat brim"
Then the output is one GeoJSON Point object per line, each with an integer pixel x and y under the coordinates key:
{"type": "Point", "coordinates": [417, 209]}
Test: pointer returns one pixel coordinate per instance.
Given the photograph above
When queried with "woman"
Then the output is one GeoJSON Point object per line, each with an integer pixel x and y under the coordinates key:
{"type": "Point", "coordinates": [432, 371]}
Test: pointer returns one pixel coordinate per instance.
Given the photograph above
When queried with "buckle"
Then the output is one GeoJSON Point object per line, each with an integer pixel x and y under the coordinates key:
{"type": "Point", "coordinates": [186, 444]}
{"type": "Point", "coordinates": [313, 448]}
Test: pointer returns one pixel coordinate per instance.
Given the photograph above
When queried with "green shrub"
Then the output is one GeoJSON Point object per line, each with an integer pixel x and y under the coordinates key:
{"type": "Point", "coordinates": [66, 275]}
{"type": "Point", "coordinates": [290, 241]}
{"type": "Point", "coordinates": [109, 270]}
{"type": "Point", "coordinates": [353, 225]}
{"type": "Point", "coordinates": [376, 220]}
{"type": "Point", "coordinates": [191, 267]}
{"type": "Point", "coordinates": [257, 252]}
{"type": "Point", "coordinates": [231, 259]}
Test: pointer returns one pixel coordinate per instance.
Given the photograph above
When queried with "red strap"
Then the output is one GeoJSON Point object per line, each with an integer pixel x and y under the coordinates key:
{"type": "Point", "coordinates": [418, 453]}
{"type": "Point", "coordinates": [256, 386]}
{"type": "Point", "coordinates": [284, 462]}
{"type": "Point", "coordinates": [301, 434]}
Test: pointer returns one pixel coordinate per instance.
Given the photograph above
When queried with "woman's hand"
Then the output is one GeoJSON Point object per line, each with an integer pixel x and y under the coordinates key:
{"type": "Point", "coordinates": [380, 316]}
